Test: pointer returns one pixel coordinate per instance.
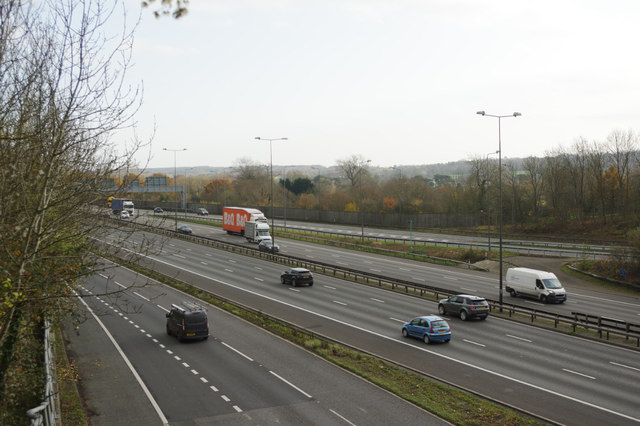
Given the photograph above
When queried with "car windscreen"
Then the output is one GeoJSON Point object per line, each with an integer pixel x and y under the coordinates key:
{"type": "Point", "coordinates": [552, 283]}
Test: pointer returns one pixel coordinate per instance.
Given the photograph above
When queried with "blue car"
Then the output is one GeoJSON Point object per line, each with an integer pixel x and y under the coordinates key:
{"type": "Point", "coordinates": [429, 328]}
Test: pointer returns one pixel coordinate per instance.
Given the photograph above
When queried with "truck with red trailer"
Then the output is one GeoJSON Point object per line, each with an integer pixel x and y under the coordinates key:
{"type": "Point", "coordinates": [248, 222]}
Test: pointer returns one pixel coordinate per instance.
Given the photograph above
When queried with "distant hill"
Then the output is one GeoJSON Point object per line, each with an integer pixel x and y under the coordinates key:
{"type": "Point", "coordinates": [455, 168]}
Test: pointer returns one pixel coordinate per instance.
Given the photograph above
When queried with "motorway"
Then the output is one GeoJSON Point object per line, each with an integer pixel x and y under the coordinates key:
{"type": "Point", "coordinates": [564, 379]}
{"type": "Point", "coordinates": [240, 375]}
{"type": "Point", "coordinates": [622, 307]}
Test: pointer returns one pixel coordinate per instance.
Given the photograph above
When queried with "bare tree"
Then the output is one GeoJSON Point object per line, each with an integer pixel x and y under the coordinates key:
{"type": "Point", "coordinates": [62, 98]}
{"type": "Point", "coordinates": [622, 148]}
{"type": "Point", "coordinates": [535, 172]}
{"type": "Point", "coordinates": [354, 168]}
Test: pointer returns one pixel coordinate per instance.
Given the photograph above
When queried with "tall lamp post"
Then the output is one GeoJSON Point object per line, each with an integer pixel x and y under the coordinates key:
{"type": "Point", "coordinates": [361, 212]}
{"type": "Point", "coordinates": [489, 207]}
{"type": "Point", "coordinates": [175, 186]}
{"type": "Point", "coordinates": [499, 117]}
{"type": "Point", "coordinates": [273, 231]}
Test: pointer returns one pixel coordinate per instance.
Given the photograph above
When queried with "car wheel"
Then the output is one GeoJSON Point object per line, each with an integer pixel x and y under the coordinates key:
{"type": "Point", "coordinates": [447, 341]}
{"type": "Point", "coordinates": [205, 337]}
{"type": "Point", "coordinates": [293, 281]}
{"type": "Point", "coordinates": [484, 317]}
{"type": "Point", "coordinates": [562, 301]}
{"type": "Point", "coordinates": [405, 333]}
{"type": "Point", "coordinates": [179, 336]}
{"type": "Point", "coordinates": [512, 293]}
{"type": "Point", "coordinates": [543, 298]}
{"type": "Point", "coordinates": [441, 309]}
{"type": "Point", "coordinates": [310, 284]}
{"type": "Point", "coordinates": [426, 338]}
{"type": "Point", "coordinates": [282, 280]}
{"type": "Point", "coordinates": [168, 331]}
{"type": "Point", "coordinates": [463, 315]}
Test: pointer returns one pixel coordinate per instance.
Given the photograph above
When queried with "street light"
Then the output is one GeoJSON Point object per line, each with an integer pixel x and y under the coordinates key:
{"type": "Point", "coordinates": [401, 188]}
{"type": "Point", "coordinates": [489, 206]}
{"type": "Point", "coordinates": [499, 117]}
{"type": "Point", "coordinates": [175, 187]}
{"type": "Point", "coordinates": [273, 231]}
{"type": "Point", "coordinates": [361, 212]}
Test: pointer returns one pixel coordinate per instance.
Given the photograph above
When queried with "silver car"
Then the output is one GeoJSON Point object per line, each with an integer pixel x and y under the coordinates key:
{"type": "Point", "coordinates": [465, 306]}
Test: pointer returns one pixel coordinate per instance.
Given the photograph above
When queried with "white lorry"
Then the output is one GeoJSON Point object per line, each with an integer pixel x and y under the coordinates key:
{"type": "Point", "coordinates": [255, 232]}
{"type": "Point", "coordinates": [544, 286]}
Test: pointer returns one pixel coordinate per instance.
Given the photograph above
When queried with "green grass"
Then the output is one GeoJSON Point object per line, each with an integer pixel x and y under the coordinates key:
{"type": "Point", "coordinates": [72, 412]}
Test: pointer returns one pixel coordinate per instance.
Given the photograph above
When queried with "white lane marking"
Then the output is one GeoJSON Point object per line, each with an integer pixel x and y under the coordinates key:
{"type": "Point", "coordinates": [123, 286]}
{"type": "Point", "coordinates": [579, 374]}
{"type": "Point", "coordinates": [291, 384]}
{"type": "Point", "coordinates": [342, 263]}
{"type": "Point", "coordinates": [417, 279]}
{"type": "Point", "coordinates": [185, 365]}
{"type": "Point", "coordinates": [225, 397]}
{"type": "Point", "coordinates": [474, 343]}
{"type": "Point", "coordinates": [237, 351]}
{"type": "Point", "coordinates": [141, 296]}
{"type": "Point", "coordinates": [204, 263]}
{"type": "Point", "coordinates": [397, 320]}
{"type": "Point", "coordinates": [519, 338]}
{"type": "Point", "coordinates": [342, 417]}
{"type": "Point", "coordinates": [213, 388]}
{"type": "Point", "coordinates": [377, 300]}
{"type": "Point", "coordinates": [258, 279]}
{"type": "Point", "coordinates": [232, 261]}
{"type": "Point", "coordinates": [163, 308]}
{"type": "Point", "coordinates": [235, 407]}
{"type": "Point", "coordinates": [382, 336]}
{"type": "Point", "coordinates": [340, 303]}
{"type": "Point", "coordinates": [329, 287]}
{"type": "Point", "coordinates": [258, 268]}
{"type": "Point", "coordinates": [468, 289]}
{"type": "Point", "coordinates": [405, 269]}
{"type": "Point", "coordinates": [204, 380]}
{"type": "Point", "coordinates": [376, 270]}
{"type": "Point", "coordinates": [625, 366]}
{"type": "Point", "coordinates": [368, 262]}
{"type": "Point", "coordinates": [177, 358]}
{"type": "Point", "coordinates": [450, 278]}
{"type": "Point", "coordinates": [155, 405]}
{"type": "Point", "coordinates": [180, 256]}
{"type": "Point", "coordinates": [228, 270]}
{"type": "Point", "coordinates": [294, 289]}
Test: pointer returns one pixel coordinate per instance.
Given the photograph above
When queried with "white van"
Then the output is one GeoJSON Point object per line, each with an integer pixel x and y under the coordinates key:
{"type": "Point", "coordinates": [541, 285]}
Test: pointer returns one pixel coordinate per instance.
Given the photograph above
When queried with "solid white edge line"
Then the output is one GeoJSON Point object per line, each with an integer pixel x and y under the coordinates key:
{"type": "Point", "coordinates": [468, 364]}
{"type": "Point", "coordinates": [291, 384]}
{"type": "Point", "coordinates": [126, 360]}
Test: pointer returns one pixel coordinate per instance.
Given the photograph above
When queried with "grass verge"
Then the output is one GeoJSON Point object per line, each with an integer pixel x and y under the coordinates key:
{"type": "Point", "coordinates": [72, 411]}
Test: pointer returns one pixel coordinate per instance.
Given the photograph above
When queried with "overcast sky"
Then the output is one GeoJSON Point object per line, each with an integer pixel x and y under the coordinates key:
{"type": "Point", "coordinates": [397, 81]}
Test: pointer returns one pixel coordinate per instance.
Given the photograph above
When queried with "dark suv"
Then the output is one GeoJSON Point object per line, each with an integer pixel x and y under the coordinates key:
{"type": "Point", "coordinates": [188, 321]}
{"type": "Point", "coordinates": [297, 276]}
{"type": "Point", "coordinates": [465, 306]}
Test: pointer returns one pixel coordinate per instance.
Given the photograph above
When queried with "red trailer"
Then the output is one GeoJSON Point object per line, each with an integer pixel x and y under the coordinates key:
{"type": "Point", "coordinates": [234, 218]}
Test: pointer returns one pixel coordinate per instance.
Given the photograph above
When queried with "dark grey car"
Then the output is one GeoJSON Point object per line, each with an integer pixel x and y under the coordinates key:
{"type": "Point", "coordinates": [465, 306]}
{"type": "Point", "coordinates": [297, 276]}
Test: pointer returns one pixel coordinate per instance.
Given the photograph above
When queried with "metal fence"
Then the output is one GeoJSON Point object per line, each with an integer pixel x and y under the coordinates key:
{"type": "Point", "coordinates": [45, 414]}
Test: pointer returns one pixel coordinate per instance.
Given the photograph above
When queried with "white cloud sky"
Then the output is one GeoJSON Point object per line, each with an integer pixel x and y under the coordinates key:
{"type": "Point", "coordinates": [396, 81]}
